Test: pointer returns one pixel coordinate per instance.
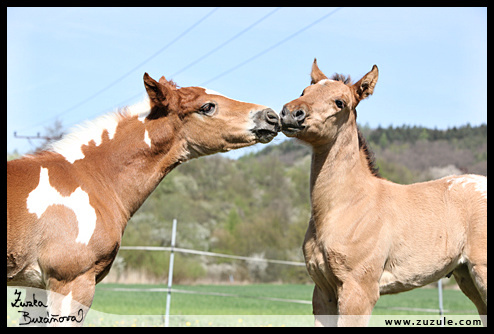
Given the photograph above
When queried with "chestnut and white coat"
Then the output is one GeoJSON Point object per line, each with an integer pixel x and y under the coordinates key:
{"type": "Point", "coordinates": [68, 206]}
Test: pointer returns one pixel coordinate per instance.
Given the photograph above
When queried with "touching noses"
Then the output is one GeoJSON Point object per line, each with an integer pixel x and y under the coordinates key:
{"type": "Point", "coordinates": [292, 119]}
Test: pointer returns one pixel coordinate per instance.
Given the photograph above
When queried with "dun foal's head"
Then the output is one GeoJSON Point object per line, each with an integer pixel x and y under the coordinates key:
{"type": "Point", "coordinates": [207, 120]}
{"type": "Point", "coordinates": [325, 106]}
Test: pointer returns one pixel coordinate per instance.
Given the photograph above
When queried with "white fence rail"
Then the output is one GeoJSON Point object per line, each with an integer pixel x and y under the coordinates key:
{"type": "Point", "coordinates": [228, 256]}
{"type": "Point", "coordinates": [169, 289]}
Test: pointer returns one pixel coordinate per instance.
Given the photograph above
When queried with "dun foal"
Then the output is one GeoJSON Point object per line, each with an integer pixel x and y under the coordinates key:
{"type": "Point", "coordinates": [368, 236]}
{"type": "Point", "coordinates": [67, 207]}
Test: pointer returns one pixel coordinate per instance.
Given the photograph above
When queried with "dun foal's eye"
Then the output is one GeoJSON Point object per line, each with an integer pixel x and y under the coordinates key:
{"type": "Point", "coordinates": [339, 103]}
{"type": "Point", "coordinates": [208, 109]}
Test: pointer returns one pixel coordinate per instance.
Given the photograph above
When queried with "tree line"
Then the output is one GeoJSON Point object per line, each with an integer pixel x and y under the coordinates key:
{"type": "Point", "coordinates": [258, 205]}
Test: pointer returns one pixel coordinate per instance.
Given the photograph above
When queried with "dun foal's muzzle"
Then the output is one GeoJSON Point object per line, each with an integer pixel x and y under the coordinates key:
{"type": "Point", "coordinates": [292, 121]}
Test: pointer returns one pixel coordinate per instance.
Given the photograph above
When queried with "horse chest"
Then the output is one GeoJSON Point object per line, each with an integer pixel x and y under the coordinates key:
{"type": "Point", "coordinates": [321, 266]}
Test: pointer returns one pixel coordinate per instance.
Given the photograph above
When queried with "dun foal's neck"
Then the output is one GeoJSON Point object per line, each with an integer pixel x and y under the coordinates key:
{"type": "Point", "coordinates": [339, 173]}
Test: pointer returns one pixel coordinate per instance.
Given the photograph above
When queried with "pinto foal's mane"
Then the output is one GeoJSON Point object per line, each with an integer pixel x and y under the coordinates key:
{"type": "Point", "coordinates": [362, 143]}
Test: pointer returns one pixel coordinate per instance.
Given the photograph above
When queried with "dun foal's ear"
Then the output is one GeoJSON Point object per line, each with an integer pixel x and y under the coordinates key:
{"type": "Point", "coordinates": [365, 86]}
{"type": "Point", "coordinates": [316, 75]}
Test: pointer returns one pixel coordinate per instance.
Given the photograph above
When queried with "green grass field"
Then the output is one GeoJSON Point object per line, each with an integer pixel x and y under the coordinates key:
{"type": "Point", "coordinates": [153, 302]}
{"type": "Point", "coordinates": [137, 308]}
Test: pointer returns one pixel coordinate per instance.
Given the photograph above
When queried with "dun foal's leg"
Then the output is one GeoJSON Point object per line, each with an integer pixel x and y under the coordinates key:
{"type": "Point", "coordinates": [467, 285]}
{"type": "Point", "coordinates": [324, 308]}
{"type": "Point", "coordinates": [72, 299]}
{"type": "Point", "coordinates": [355, 303]}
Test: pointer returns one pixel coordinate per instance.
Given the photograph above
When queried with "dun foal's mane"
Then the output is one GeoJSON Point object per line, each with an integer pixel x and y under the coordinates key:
{"type": "Point", "coordinates": [369, 154]}
{"type": "Point", "coordinates": [362, 143]}
{"type": "Point", "coordinates": [347, 80]}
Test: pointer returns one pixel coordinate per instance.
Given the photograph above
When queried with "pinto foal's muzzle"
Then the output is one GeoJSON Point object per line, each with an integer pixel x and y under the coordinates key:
{"type": "Point", "coordinates": [267, 125]}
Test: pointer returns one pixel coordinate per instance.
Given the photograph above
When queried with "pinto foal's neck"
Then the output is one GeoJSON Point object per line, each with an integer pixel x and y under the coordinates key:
{"type": "Point", "coordinates": [144, 165]}
{"type": "Point", "coordinates": [339, 173]}
{"type": "Point", "coordinates": [126, 158]}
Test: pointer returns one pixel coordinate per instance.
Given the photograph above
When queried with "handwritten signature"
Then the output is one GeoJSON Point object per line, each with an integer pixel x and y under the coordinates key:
{"type": "Point", "coordinates": [27, 318]}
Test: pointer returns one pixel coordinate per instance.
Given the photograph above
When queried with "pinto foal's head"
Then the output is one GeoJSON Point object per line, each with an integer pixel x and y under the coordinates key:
{"type": "Point", "coordinates": [207, 120]}
{"type": "Point", "coordinates": [325, 106]}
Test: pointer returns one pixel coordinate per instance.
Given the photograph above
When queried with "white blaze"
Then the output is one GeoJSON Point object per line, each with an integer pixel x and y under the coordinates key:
{"type": "Point", "coordinates": [324, 81]}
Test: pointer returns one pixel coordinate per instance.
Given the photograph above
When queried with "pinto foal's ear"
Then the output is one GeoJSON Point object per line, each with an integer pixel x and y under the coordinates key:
{"type": "Point", "coordinates": [316, 75]}
{"type": "Point", "coordinates": [155, 90]}
{"type": "Point", "coordinates": [365, 86]}
{"type": "Point", "coordinates": [163, 80]}
{"type": "Point", "coordinates": [162, 96]}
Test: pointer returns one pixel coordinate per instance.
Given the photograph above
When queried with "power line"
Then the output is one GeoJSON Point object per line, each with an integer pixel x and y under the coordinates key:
{"type": "Point", "coordinates": [226, 42]}
{"type": "Point", "coordinates": [253, 57]}
{"type": "Point", "coordinates": [270, 48]}
{"type": "Point", "coordinates": [199, 59]}
{"type": "Point", "coordinates": [113, 83]}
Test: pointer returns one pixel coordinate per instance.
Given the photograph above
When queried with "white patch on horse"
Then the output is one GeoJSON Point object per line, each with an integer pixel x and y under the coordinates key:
{"type": "Point", "coordinates": [66, 307]}
{"type": "Point", "coordinates": [147, 140]}
{"type": "Point", "coordinates": [213, 92]}
{"type": "Point", "coordinates": [479, 182]}
{"type": "Point", "coordinates": [70, 146]}
{"type": "Point", "coordinates": [44, 195]}
{"type": "Point", "coordinates": [324, 81]}
{"type": "Point", "coordinates": [140, 109]}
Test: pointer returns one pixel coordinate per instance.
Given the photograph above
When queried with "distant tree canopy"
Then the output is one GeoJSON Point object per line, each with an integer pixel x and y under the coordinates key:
{"type": "Point", "coordinates": [259, 205]}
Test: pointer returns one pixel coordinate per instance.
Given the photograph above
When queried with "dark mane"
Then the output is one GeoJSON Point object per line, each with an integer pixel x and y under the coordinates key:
{"type": "Point", "coordinates": [340, 77]}
{"type": "Point", "coordinates": [362, 143]}
{"type": "Point", "coordinates": [369, 155]}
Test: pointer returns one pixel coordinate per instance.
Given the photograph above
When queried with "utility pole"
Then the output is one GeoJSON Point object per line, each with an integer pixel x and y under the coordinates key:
{"type": "Point", "coordinates": [38, 136]}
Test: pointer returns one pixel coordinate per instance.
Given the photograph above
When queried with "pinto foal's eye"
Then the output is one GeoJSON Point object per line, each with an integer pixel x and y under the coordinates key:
{"type": "Point", "coordinates": [339, 103]}
{"type": "Point", "coordinates": [208, 108]}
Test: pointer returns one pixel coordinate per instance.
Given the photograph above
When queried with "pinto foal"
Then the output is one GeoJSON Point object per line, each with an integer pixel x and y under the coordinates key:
{"type": "Point", "coordinates": [368, 236]}
{"type": "Point", "coordinates": [67, 207]}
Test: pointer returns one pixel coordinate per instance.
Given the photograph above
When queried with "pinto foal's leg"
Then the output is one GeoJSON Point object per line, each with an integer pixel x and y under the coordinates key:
{"type": "Point", "coordinates": [71, 300]}
{"type": "Point", "coordinates": [35, 310]}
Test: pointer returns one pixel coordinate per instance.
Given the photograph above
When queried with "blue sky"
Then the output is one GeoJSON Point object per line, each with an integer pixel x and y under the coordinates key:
{"type": "Point", "coordinates": [432, 61]}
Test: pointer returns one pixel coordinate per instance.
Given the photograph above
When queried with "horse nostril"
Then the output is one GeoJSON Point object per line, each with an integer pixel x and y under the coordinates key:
{"type": "Point", "coordinates": [271, 116]}
{"type": "Point", "coordinates": [299, 115]}
{"type": "Point", "coordinates": [283, 112]}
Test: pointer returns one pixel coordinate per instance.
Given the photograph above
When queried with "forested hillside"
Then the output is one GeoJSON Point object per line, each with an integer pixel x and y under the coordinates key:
{"type": "Point", "coordinates": [258, 205]}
